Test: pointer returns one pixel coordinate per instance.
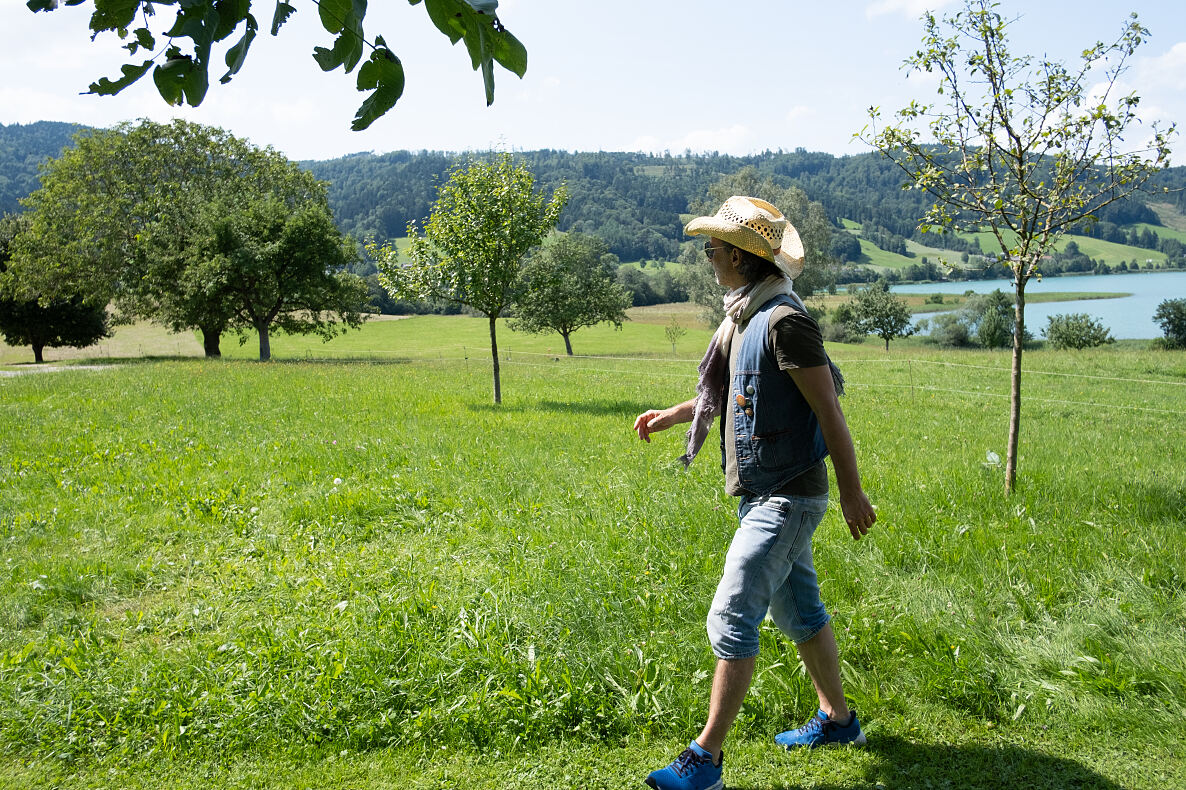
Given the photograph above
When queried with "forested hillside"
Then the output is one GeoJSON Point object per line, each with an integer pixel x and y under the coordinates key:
{"type": "Point", "coordinates": [636, 202]}
{"type": "Point", "coordinates": [23, 147]}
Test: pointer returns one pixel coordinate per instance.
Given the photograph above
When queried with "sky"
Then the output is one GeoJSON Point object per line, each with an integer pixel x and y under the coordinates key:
{"type": "Point", "coordinates": [614, 75]}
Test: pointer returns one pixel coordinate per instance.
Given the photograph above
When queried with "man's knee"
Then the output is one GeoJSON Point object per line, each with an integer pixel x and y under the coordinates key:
{"type": "Point", "coordinates": [730, 636]}
{"type": "Point", "coordinates": [799, 626]}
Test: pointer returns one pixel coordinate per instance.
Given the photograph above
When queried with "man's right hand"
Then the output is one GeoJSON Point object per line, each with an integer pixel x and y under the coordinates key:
{"type": "Point", "coordinates": [657, 420]}
{"type": "Point", "coordinates": [651, 422]}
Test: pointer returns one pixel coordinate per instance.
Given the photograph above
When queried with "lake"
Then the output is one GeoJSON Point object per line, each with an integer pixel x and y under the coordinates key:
{"type": "Point", "coordinates": [1127, 317]}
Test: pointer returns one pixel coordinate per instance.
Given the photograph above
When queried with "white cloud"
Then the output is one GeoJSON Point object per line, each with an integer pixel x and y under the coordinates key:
{"type": "Point", "coordinates": [912, 9]}
{"type": "Point", "coordinates": [800, 114]}
{"type": "Point", "coordinates": [1164, 72]}
{"type": "Point", "coordinates": [542, 91]}
{"type": "Point", "coordinates": [737, 139]}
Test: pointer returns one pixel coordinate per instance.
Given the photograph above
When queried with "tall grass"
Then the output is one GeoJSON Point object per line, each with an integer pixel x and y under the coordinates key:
{"type": "Point", "coordinates": [210, 559]}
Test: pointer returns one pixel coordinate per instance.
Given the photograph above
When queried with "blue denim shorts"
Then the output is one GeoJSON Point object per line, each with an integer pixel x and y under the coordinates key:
{"type": "Point", "coordinates": [768, 567]}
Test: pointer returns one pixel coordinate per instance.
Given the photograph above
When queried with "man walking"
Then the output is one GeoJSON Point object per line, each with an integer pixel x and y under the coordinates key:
{"type": "Point", "coordinates": [767, 376]}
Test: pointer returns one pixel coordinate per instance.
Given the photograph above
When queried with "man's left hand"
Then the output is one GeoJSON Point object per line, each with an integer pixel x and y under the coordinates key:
{"type": "Point", "coordinates": [858, 513]}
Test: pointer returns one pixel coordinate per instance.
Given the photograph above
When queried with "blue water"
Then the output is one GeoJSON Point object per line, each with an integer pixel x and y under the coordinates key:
{"type": "Point", "coordinates": [1127, 317]}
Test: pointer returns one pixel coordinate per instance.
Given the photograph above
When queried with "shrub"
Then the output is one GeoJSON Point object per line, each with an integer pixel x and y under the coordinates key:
{"type": "Point", "coordinates": [841, 326]}
{"type": "Point", "coordinates": [995, 329]}
{"type": "Point", "coordinates": [949, 331]}
{"type": "Point", "coordinates": [989, 318]}
{"type": "Point", "coordinates": [1076, 330]}
{"type": "Point", "coordinates": [1171, 315]}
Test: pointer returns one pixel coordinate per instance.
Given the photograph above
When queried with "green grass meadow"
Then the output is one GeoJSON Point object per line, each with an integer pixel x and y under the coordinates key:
{"type": "Point", "coordinates": [348, 568]}
{"type": "Point", "coordinates": [1109, 252]}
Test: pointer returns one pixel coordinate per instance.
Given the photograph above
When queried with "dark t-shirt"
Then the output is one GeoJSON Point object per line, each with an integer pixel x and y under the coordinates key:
{"type": "Point", "coordinates": [795, 339]}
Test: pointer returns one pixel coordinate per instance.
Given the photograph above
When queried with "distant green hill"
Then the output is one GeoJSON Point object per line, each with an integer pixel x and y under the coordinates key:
{"type": "Point", "coordinates": [638, 203]}
{"type": "Point", "coordinates": [23, 147]}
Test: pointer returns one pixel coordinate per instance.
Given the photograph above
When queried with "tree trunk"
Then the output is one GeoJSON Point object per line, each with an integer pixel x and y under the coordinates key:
{"type": "Point", "coordinates": [37, 349]}
{"type": "Point", "coordinates": [494, 355]}
{"type": "Point", "coordinates": [210, 341]}
{"type": "Point", "coordinates": [567, 343]}
{"type": "Point", "coordinates": [265, 344]}
{"type": "Point", "coordinates": [887, 345]}
{"type": "Point", "coordinates": [1015, 388]}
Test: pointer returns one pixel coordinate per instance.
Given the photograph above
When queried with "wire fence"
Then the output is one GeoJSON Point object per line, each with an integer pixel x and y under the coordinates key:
{"type": "Point", "coordinates": [684, 368]}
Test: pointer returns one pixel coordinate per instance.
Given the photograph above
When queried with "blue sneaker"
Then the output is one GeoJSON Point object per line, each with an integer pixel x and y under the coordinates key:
{"type": "Point", "coordinates": [692, 770]}
{"type": "Point", "coordinates": [822, 731]}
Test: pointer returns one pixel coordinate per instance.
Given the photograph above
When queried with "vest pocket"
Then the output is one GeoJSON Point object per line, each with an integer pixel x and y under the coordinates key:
{"type": "Point", "coordinates": [776, 450]}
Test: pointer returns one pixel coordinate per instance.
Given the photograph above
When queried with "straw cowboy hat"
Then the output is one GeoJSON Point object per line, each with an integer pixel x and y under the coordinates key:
{"type": "Point", "coordinates": [755, 226]}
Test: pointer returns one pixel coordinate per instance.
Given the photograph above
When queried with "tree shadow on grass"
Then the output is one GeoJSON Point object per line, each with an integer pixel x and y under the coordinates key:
{"type": "Point", "coordinates": [1155, 500]}
{"type": "Point", "coordinates": [596, 408]}
{"type": "Point", "coordinates": [902, 764]}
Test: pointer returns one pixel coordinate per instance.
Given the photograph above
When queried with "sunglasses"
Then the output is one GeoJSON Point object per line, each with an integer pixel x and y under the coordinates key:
{"type": "Point", "coordinates": [709, 249]}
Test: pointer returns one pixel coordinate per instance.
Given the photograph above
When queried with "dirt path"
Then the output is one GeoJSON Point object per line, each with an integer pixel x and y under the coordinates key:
{"type": "Point", "coordinates": [50, 369]}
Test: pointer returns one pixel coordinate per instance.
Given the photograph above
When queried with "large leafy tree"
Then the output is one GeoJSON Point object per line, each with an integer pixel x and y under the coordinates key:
{"type": "Point", "coordinates": [1023, 147]}
{"type": "Point", "coordinates": [125, 216]}
{"type": "Point", "coordinates": [116, 217]}
{"type": "Point", "coordinates": [486, 218]}
{"type": "Point", "coordinates": [181, 51]}
{"type": "Point", "coordinates": [272, 266]}
{"type": "Point", "coordinates": [570, 284]}
{"type": "Point", "coordinates": [28, 320]}
{"type": "Point", "coordinates": [878, 312]}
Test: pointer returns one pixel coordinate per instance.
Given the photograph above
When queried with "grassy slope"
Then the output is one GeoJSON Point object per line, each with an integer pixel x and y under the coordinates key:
{"type": "Point", "coordinates": [1169, 215]}
{"type": "Point", "coordinates": [1109, 252]}
{"type": "Point", "coordinates": [1163, 232]}
{"type": "Point", "coordinates": [175, 528]}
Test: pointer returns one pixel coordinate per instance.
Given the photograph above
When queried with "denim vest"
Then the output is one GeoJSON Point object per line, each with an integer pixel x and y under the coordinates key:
{"type": "Point", "coordinates": [776, 433]}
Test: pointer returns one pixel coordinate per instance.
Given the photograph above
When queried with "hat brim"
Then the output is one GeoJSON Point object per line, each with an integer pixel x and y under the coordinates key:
{"type": "Point", "coordinates": [790, 255]}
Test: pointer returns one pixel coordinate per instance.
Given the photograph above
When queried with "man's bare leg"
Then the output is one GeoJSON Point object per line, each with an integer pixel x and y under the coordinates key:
{"type": "Point", "coordinates": [730, 682]}
{"type": "Point", "coordinates": [822, 659]}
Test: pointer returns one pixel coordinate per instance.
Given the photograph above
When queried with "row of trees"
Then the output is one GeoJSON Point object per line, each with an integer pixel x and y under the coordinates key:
{"type": "Point", "coordinates": [195, 229]}
{"type": "Point", "coordinates": [473, 250]}
{"type": "Point", "coordinates": [984, 320]}
{"type": "Point", "coordinates": [190, 227]}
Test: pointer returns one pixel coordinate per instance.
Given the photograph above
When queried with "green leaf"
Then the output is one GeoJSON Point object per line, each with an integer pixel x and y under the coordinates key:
{"type": "Point", "coordinates": [383, 74]}
{"type": "Point", "coordinates": [131, 73]}
{"type": "Point", "coordinates": [487, 63]}
{"type": "Point", "coordinates": [230, 14]}
{"type": "Point", "coordinates": [197, 82]}
{"type": "Point", "coordinates": [510, 52]}
{"type": "Point", "coordinates": [283, 12]}
{"type": "Point", "coordinates": [351, 45]}
{"type": "Point", "coordinates": [171, 78]}
{"type": "Point", "coordinates": [113, 14]}
{"type": "Point", "coordinates": [343, 17]}
{"type": "Point", "coordinates": [333, 14]}
{"type": "Point", "coordinates": [237, 54]}
{"type": "Point", "coordinates": [328, 59]}
{"type": "Point", "coordinates": [447, 15]}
